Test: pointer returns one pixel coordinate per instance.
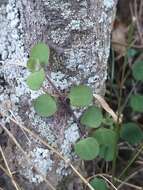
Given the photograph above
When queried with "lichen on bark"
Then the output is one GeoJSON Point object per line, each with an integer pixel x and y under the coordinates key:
{"type": "Point", "coordinates": [78, 34]}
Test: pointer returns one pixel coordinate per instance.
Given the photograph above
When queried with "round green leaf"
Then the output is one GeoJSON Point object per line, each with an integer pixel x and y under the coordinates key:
{"type": "Point", "coordinates": [92, 117]}
{"type": "Point", "coordinates": [136, 102]}
{"type": "Point", "coordinates": [36, 79]}
{"type": "Point", "coordinates": [131, 133]}
{"type": "Point", "coordinates": [39, 55]}
{"type": "Point", "coordinates": [98, 184]}
{"type": "Point", "coordinates": [80, 96]}
{"type": "Point", "coordinates": [138, 71]}
{"type": "Point", "coordinates": [40, 52]}
{"type": "Point", "coordinates": [87, 149]}
{"type": "Point", "coordinates": [106, 139]}
{"type": "Point", "coordinates": [45, 105]}
{"type": "Point", "coordinates": [105, 136]}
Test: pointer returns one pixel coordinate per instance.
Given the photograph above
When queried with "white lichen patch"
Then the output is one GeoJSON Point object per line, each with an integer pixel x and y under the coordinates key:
{"type": "Point", "coordinates": [75, 24]}
{"type": "Point", "coordinates": [72, 132]}
{"type": "Point", "coordinates": [59, 80]}
{"type": "Point", "coordinates": [108, 4]}
{"type": "Point", "coordinates": [10, 29]}
{"type": "Point", "coordinates": [103, 17]}
{"type": "Point", "coordinates": [12, 52]}
{"type": "Point", "coordinates": [42, 127]}
{"type": "Point", "coordinates": [71, 135]}
{"type": "Point", "coordinates": [40, 161]}
{"type": "Point", "coordinates": [63, 82]}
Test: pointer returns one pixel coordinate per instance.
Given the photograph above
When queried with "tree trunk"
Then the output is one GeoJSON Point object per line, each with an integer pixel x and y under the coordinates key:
{"type": "Point", "coordinates": [78, 34]}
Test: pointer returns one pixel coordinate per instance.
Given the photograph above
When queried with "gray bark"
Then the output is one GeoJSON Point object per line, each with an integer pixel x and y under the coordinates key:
{"type": "Point", "coordinates": [78, 34]}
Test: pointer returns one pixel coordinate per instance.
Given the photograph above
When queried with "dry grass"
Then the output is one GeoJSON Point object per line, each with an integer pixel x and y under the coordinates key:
{"type": "Point", "coordinates": [35, 136]}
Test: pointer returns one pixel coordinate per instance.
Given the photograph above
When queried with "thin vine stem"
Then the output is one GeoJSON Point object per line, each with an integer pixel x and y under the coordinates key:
{"type": "Point", "coordinates": [66, 105]}
{"type": "Point", "coordinates": [118, 124]}
{"type": "Point", "coordinates": [131, 161]}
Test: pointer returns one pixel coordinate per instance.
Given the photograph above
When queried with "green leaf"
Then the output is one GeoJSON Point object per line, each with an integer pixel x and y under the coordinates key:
{"type": "Point", "coordinates": [138, 71]}
{"type": "Point", "coordinates": [92, 117]}
{"type": "Point", "coordinates": [136, 102]}
{"type": "Point", "coordinates": [98, 184]}
{"type": "Point", "coordinates": [131, 133]}
{"type": "Point", "coordinates": [108, 121]}
{"type": "Point", "coordinates": [36, 79]}
{"type": "Point", "coordinates": [105, 136]}
{"type": "Point", "coordinates": [45, 105]}
{"type": "Point", "coordinates": [39, 56]}
{"type": "Point", "coordinates": [107, 152]}
{"type": "Point", "coordinates": [87, 149]}
{"type": "Point", "coordinates": [33, 65]}
{"type": "Point", "coordinates": [106, 139]}
{"type": "Point", "coordinates": [132, 52]}
{"type": "Point", "coordinates": [80, 96]}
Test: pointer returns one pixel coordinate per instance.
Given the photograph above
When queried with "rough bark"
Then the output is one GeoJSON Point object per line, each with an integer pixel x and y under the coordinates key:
{"type": "Point", "coordinates": [78, 33]}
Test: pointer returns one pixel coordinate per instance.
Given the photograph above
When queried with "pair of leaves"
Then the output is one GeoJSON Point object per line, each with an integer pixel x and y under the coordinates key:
{"type": "Point", "coordinates": [102, 144]}
{"type": "Point", "coordinates": [131, 133]}
{"type": "Point", "coordinates": [81, 96]}
{"type": "Point", "coordinates": [44, 105]}
{"type": "Point", "coordinates": [39, 57]}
